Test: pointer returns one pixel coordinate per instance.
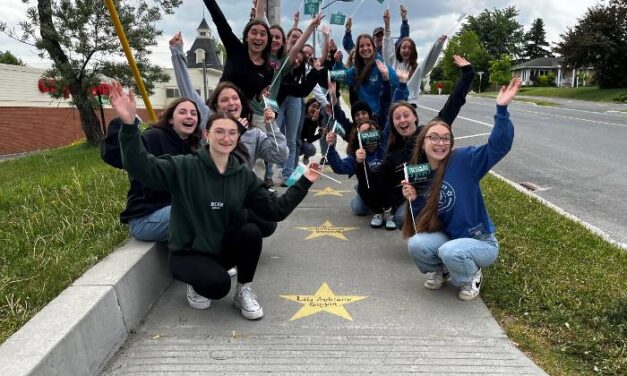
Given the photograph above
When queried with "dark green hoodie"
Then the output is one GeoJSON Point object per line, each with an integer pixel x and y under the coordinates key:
{"type": "Point", "coordinates": [206, 204]}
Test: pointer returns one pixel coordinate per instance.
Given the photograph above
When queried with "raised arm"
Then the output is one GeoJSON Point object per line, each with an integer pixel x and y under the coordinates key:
{"type": "Point", "coordinates": [415, 81]}
{"type": "Point", "coordinates": [315, 22]}
{"type": "Point", "coordinates": [347, 41]}
{"type": "Point", "coordinates": [228, 38]}
{"type": "Point", "coordinates": [183, 81]}
{"type": "Point", "coordinates": [404, 25]}
{"type": "Point", "coordinates": [457, 99]}
{"type": "Point", "coordinates": [388, 46]}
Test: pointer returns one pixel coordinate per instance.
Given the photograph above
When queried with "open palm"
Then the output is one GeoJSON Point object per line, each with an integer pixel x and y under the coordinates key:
{"type": "Point", "coordinates": [508, 92]}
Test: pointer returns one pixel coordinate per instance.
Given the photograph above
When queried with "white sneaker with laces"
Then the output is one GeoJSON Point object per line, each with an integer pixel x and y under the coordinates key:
{"type": "Point", "coordinates": [232, 272]}
{"type": "Point", "coordinates": [376, 221]}
{"type": "Point", "coordinates": [196, 300]}
{"type": "Point", "coordinates": [436, 279]}
{"type": "Point", "coordinates": [246, 300]}
{"type": "Point", "coordinates": [390, 224]}
{"type": "Point", "coordinates": [470, 290]}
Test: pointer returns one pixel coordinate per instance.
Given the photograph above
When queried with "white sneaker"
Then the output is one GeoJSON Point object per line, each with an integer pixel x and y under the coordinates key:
{"type": "Point", "coordinates": [470, 290]}
{"type": "Point", "coordinates": [196, 300]}
{"type": "Point", "coordinates": [246, 300]}
{"type": "Point", "coordinates": [436, 279]}
{"type": "Point", "coordinates": [232, 272]}
{"type": "Point", "coordinates": [390, 224]}
{"type": "Point", "coordinates": [376, 221]}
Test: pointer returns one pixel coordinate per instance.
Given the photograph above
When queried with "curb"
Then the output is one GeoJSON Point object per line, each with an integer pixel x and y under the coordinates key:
{"type": "Point", "coordinates": [81, 329]}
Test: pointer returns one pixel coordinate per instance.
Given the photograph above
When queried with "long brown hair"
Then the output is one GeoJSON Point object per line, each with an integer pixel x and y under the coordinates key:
{"type": "Point", "coordinates": [164, 122]}
{"type": "Point", "coordinates": [265, 54]}
{"type": "Point", "coordinates": [413, 58]}
{"type": "Point", "coordinates": [212, 102]}
{"type": "Point", "coordinates": [394, 136]}
{"type": "Point", "coordinates": [362, 69]}
{"type": "Point", "coordinates": [428, 220]}
{"type": "Point", "coordinates": [240, 149]}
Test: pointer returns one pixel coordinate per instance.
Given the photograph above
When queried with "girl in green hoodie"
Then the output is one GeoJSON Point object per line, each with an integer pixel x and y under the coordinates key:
{"type": "Point", "coordinates": [209, 189]}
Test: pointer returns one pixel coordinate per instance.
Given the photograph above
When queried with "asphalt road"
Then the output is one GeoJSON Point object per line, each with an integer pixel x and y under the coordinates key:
{"type": "Point", "coordinates": [575, 153]}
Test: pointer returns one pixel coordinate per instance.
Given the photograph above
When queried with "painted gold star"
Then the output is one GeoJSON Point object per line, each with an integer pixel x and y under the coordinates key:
{"type": "Point", "coordinates": [328, 191]}
{"type": "Point", "coordinates": [323, 300]}
{"type": "Point", "coordinates": [327, 229]}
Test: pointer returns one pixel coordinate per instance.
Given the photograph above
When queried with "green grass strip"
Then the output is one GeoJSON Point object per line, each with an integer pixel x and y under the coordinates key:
{"type": "Point", "coordinates": [559, 291]}
{"type": "Point", "coordinates": [58, 217]}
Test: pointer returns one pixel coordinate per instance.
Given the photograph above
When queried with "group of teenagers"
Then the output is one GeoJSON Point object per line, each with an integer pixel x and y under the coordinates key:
{"type": "Point", "coordinates": [192, 182]}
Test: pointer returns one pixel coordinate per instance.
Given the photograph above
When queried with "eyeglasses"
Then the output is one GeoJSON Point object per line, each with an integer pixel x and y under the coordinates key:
{"type": "Point", "coordinates": [222, 133]}
{"type": "Point", "coordinates": [435, 139]}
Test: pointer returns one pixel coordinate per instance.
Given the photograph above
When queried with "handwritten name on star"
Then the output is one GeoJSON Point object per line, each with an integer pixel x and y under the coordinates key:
{"type": "Point", "coordinates": [324, 300]}
{"type": "Point", "coordinates": [327, 229]}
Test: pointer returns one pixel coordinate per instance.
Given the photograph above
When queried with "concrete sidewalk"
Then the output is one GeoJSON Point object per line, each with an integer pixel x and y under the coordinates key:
{"type": "Point", "coordinates": [339, 297]}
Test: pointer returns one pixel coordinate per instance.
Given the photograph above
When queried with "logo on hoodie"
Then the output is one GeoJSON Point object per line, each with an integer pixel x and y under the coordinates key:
{"type": "Point", "coordinates": [447, 198]}
{"type": "Point", "coordinates": [216, 205]}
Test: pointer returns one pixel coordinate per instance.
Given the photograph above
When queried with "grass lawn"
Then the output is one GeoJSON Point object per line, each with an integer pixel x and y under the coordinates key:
{"type": "Point", "coordinates": [559, 291]}
{"type": "Point", "coordinates": [58, 216]}
{"type": "Point", "coordinates": [582, 93]}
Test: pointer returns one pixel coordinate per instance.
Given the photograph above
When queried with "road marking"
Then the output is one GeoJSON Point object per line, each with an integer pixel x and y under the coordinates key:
{"type": "Point", "coordinates": [324, 300]}
{"type": "Point", "coordinates": [472, 135]}
{"type": "Point", "coordinates": [328, 191]}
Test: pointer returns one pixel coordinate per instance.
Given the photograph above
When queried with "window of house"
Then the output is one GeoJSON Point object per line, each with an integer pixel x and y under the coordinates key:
{"type": "Point", "coordinates": [172, 93]}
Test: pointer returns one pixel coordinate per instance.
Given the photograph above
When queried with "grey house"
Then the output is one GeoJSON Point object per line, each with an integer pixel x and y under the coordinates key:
{"type": "Point", "coordinates": [564, 77]}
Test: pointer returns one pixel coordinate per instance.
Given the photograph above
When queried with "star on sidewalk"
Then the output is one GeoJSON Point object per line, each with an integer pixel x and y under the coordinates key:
{"type": "Point", "coordinates": [327, 229]}
{"type": "Point", "coordinates": [328, 191]}
{"type": "Point", "coordinates": [323, 300]}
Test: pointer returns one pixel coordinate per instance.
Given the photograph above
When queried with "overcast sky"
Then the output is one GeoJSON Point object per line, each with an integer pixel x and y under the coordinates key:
{"type": "Point", "coordinates": [427, 19]}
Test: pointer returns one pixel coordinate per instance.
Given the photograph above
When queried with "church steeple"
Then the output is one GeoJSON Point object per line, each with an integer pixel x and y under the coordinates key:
{"type": "Point", "coordinates": [204, 42]}
{"type": "Point", "coordinates": [203, 31]}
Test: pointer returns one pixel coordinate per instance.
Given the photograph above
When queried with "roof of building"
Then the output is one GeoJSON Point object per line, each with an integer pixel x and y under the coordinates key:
{"type": "Point", "coordinates": [541, 62]}
{"type": "Point", "coordinates": [207, 43]}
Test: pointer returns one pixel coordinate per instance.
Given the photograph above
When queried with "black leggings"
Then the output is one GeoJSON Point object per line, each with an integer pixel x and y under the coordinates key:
{"type": "Point", "coordinates": [267, 227]}
{"type": "Point", "coordinates": [207, 273]}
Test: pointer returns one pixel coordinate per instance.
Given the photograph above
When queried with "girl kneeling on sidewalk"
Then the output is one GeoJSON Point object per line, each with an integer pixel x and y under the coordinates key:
{"type": "Point", "coordinates": [208, 190]}
{"type": "Point", "coordinates": [452, 233]}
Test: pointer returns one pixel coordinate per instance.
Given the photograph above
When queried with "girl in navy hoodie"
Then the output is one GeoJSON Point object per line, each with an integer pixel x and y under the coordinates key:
{"type": "Point", "coordinates": [452, 234]}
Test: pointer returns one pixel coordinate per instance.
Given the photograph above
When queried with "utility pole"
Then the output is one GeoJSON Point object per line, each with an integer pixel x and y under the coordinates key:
{"type": "Point", "coordinates": [274, 12]}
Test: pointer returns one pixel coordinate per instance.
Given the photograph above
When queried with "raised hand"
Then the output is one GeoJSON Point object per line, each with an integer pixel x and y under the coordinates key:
{"type": "Point", "coordinates": [403, 75]}
{"type": "Point", "coordinates": [508, 92]}
{"type": "Point", "coordinates": [296, 18]}
{"type": "Point", "coordinates": [386, 19]}
{"type": "Point", "coordinates": [460, 61]}
{"type": "Point", "coordinates": [403, 13]}
{"type": "Point", "coordinates": [383, 69]}
{"type": "Point", "coordinates": [268, 115]}
{"type": "Point", "coordinates": [349, 24]}
{"type": "Point", "coordinates": [326, 30]}
{"type": "Point", "coordinates": [176, 40]}
{"type": "Point", "coordinates": [123, 103]}
{"type": "Point", "coordinates": [442, 38]}
{"type": "Point", "coordinates": [315, 22]}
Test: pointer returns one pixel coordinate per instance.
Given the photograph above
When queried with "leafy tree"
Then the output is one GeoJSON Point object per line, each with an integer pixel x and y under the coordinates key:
{"type": "Point", "coordinates": [599, 41]}
{"type": "Point", "coordinates": [498, 31]}
{"type": "Point", "coordinates": [501, 70]}
{"type": "Point", "coordinates": [535, 41]}
{"type": "Point", "coordinates": [8, 58]}
{"type": "Point", "coordinates": [437, 74]}
{"type": "Point", "coordinates": [79, 37]}
{"type": "Point", "coordinates": [469, 46]}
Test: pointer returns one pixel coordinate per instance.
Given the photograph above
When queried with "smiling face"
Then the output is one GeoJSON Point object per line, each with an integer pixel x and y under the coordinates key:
{"type": "Point", "coordinates": [222, 136]}
{"type": "Point", "coordinates": [361, 116]}
{"type": "Point", "coordinates": [404, 121]}
{"type": "Point", "coordinates": [229, 101]}
{"type": "Point", "coordinates": [298, 60]}
{"type": "Point", "coordinates": [184, 119]}
{"type": "Point", "coordinates": [277, 40]}
{"type": "Point", "coordinates": [365, 49]}
{"type": "Point", "coordinates": [406, 50]}
{"type": "Point", "coordinates": [257, 38]}
{"type": "Point", "coordinates": [293, 37]}
{"type": "Point", "coordinates": [313, 111]}
{"type": "Point", "coordinates": [437, 144]}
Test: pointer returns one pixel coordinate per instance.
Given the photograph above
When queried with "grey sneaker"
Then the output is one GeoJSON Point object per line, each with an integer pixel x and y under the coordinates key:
{"type": "Point", "coordinates": [232, 272]}
{"type": "Point", "coordinates": [246, 300]}
{"type": "Point", "coordinates": [470, 290]}
{"type": "Point", "coordinates": [196, 300]}
{"type": "Point", "coordinates": [390, 224]}
{"type": "Point", "coordinates": [436, 279]}
{"type": "Point", "coordinates": [377, 221]}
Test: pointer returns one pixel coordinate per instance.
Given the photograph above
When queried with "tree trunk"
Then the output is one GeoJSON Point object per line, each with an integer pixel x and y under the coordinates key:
{"type": "Point", "coordinates": [50, 42]}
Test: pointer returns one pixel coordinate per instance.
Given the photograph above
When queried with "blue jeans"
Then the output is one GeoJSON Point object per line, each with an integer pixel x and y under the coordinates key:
{"type": "Point", "coordinates": [463, 256]}
{"type": "Point", "coordinates": [154, 227]}
{"type": "Point", "coordinates": [359, 207]}
{"type": "Point", "coordinates": [399, 216]}
{"type": "Point", "coordinates": [290, 122]}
